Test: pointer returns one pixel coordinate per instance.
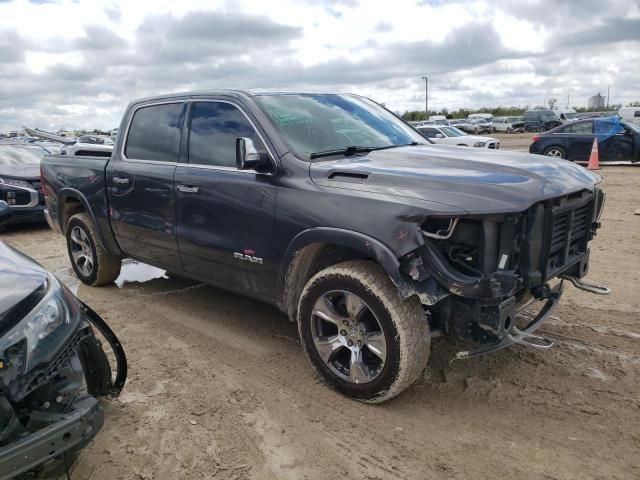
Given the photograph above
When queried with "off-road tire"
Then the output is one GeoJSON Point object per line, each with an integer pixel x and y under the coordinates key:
{"type": "Point", "coordinates": [403, 321]}
{"type": "Point", "coordinates": [106, 266]}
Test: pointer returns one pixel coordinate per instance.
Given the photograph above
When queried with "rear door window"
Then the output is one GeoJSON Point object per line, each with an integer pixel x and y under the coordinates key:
{"type": "Point", "coordinates": [154, 133]}
{"type": "Point", "coordinates": [213, 131]}
{"type": "Point", "coordinates": [582, 128]}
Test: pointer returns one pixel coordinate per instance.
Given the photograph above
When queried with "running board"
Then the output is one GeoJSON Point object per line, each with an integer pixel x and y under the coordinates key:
{"type": "Point", "coordinates": [587, 287]}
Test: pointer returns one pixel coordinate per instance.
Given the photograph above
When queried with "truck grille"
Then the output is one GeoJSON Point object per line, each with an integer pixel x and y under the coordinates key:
{"type": "Point", "coordinates": [37, 186]}
{"type": "Point", "coordinates": [570, 228]}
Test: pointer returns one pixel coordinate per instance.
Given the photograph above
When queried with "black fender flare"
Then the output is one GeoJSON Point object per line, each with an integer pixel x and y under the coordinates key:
{"type": "Point", "coordinates": [68, 192]}
{"type": "Point", "coordinates": [345, 238]}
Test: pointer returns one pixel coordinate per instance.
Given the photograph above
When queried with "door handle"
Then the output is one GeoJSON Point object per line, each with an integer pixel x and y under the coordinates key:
{"type": "Point", "coordinates": [121, 180]}
{"type": "Point", "coordinates": [188, 189]}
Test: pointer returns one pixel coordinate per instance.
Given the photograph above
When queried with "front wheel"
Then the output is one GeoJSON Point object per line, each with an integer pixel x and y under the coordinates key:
{"type": "Point", "coordinates": [359, 335]}
{"type": "Point", "coordinates": [90, 261]}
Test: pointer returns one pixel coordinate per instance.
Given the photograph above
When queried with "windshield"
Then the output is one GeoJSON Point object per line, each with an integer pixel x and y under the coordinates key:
{"type": "Point", "coordinates": [17, 155]}
{"type": "Point", "coordinates": [452, 132]}
{"type": "Point", "coordinates": [312, 123]}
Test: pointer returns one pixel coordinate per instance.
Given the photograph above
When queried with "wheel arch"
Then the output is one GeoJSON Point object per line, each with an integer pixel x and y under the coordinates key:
{"type": "Point", "coordinates": [317, 248]}
{"type": "Point", "coordinates": [71, 201]}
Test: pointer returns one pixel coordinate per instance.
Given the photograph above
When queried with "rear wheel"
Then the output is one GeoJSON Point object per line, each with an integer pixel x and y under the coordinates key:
{"type": "Point", "coordinates": [91, 262]}
{"type": "Point", "coordinates": [556, 152]}
{"type": "Point", "coordinates": [359, 335]}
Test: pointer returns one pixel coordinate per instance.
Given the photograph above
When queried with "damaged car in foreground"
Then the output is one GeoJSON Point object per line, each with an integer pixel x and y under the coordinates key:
{"type": "Point", "coordinates": [52, 368]}
{"type": "Point", "coordinates": [369, 236]}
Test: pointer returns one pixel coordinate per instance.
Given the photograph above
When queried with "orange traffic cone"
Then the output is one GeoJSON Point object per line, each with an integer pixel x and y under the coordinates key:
{"type": "Point", "coordinates": [594, 159]}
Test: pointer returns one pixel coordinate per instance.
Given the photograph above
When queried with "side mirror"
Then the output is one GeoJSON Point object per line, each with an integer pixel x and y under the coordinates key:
{"type": "Point", "coordinates": [5, 212]}
{"type": "Point", "coordinates": [247, 156]}
{"type": "Point", "coordinates": [439, 135]}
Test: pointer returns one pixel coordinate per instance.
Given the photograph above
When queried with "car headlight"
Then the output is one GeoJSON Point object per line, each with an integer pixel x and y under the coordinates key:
{"type": "Point", "coordinates": [479, 144]}
{"type": "Point", "coordinates": [15, 183]}
{"type": "Point", "coordinates": [46, 328]}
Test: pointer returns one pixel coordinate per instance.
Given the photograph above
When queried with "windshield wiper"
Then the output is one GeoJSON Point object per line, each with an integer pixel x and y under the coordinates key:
{"type": "Point", "coordinates": [346, 151]}
{"type": "Point", "coordinates": [352, 150]}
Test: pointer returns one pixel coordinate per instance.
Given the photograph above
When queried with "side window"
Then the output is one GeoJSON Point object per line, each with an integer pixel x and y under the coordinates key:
{"type": "Point", "coordinates": [213, 132]}
{"type": "Point", "coordinates": [584, 128]}
{"type": "Point", "coordinates": [636, 114]}
{"type": "Point", "coordinates": [429, 132]}
{"type": "Point", "coordinates": [154, 133]}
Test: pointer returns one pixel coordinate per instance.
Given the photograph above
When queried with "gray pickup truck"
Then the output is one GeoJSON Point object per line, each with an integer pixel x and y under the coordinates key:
{"type": "Point", "coordinates": [370, 237]}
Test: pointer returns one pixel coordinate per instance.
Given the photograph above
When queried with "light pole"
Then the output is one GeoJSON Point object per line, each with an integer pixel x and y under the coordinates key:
{"type": "Point", "coordinates": [426, 96]}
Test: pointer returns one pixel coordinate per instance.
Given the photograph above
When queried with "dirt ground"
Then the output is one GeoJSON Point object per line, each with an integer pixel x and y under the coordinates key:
{"type": "Point", "coordinates": [514, 141]}
{"type": "Point", "coordinates": [219, 386]}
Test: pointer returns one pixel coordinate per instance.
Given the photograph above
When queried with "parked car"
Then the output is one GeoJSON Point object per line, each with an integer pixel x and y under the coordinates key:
{"type": "Point", "coordinates": [459, 123]}
{"type": "Point", "coordinates": [575, 141]}
{"type": "Point", "coordinates": [336, 211]}
{"type": "Point", "coordinates": [20, 181]}
{"type": "Point", "coordinates": [479, 125]}
{"type": "Point", "coordinates": [52, 367]}
{"type": "Point", "coordinates": [454, 136]}
{"type": "Point", "coordinates": [540, 120]}
{"type": "Point", "coordinates": [506, 124]}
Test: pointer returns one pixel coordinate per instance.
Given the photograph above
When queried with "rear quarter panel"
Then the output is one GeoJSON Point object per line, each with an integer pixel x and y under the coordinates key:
{"type": "Point", "coordinates": [67, 178]}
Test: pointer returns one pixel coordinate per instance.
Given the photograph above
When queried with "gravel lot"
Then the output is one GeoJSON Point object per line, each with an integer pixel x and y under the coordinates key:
{"type": "Point", "coordinates": [219, 386]}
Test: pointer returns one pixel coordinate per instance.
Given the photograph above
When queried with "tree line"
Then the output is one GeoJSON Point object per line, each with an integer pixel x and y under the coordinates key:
{"type": "Point", "coordinates": [416, 115]}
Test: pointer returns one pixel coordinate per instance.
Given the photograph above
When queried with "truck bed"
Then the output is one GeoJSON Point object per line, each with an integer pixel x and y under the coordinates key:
{"type": "Point", "coordinates": [70, 179]}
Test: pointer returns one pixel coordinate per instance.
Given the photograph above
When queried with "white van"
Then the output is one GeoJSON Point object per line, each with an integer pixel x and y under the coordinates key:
{"type": "Point", "coordinates": [566, 115]}
{"type": "Point", "coordinates": [486, 116]}
{"type": "Point", "coordinates": [630, 114]}
{"type": "Point", "coordinates": [505, 124]}
{"type": "Point", "coordinates": [438, 119]}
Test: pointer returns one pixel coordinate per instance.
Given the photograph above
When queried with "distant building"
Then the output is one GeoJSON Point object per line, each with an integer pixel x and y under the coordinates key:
{"type": "Point", "coordinates": [597, 101]}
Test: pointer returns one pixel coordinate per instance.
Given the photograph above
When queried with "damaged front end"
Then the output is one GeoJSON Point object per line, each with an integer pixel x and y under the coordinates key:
{"type": "Point", "coordinates": [476, 274]}
{"type": "Point", "coordinates": [52, 369]}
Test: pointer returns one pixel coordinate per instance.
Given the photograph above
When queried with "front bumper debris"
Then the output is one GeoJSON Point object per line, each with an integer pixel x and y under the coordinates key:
{"type": "Point", "coordinates": [511, 334]}
{"type": "Point", "coordinates": [72, 432]}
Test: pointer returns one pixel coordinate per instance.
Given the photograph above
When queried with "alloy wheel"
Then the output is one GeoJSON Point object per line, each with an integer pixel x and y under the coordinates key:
{"type": "Point", "coordinates": [348, 336]}
{"type": "Point", "coordinates": [81, 251]}
{"type": "Point", "coordinates": [554, 152]}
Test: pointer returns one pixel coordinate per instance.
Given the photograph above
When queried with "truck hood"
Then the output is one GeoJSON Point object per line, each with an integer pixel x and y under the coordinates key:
{"type": "Point", "coordinates": [475, 181]}
{"type": "Point", "coordinates": [19, 277]}
{"type": "Point", "coordinates": [23, 172]}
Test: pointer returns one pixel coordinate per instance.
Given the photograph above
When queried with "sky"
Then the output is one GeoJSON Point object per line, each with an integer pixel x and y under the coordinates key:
{"type": "Point", "coordinates": [77, 64]}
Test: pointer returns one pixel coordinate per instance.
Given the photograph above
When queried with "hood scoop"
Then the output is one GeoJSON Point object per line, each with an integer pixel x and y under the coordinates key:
{"type": "Point", "coordinates": [349, 177]}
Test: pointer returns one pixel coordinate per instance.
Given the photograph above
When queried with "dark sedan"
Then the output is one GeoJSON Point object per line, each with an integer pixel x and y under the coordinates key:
{"type": "Point", "coordinates": [20, 181]}
{"type": "Point", "coordinates": [617, 141]}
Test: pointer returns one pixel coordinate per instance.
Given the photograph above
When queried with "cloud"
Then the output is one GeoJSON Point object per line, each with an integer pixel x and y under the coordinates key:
{"type": "Point", "coordinates": [82, 72]}
{"type": "Point", "coordinates": [11, 47]}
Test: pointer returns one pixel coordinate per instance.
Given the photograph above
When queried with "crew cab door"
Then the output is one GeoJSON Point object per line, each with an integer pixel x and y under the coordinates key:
{"type": "Point", "coordinates": [140, 184]}
{"type": "Point", "coordinates": [225, 216]}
